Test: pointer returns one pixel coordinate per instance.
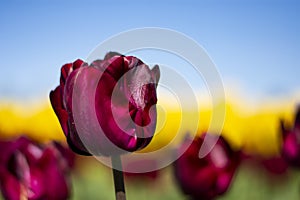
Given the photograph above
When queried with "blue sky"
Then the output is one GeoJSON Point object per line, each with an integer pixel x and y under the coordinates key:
{"type": "Point", "coordinates": [255, 43]}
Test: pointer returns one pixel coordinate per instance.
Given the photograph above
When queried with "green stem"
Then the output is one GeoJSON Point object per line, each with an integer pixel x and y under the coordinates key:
{"type": "Point", "coordinates": [118, 178]}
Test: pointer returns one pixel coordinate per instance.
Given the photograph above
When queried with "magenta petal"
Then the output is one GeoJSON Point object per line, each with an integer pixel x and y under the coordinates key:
{"type": "Point", "coordinates": [65, 71]}
{"type": "Point", "coordinates": [75, 142]}
{"type": "Point", "coordinates": [37, 184]}
{"type": "Point", "coordinates": [55, 171]}
{"type": "Point", "coordinates": [290, 146]}
{"type": "Point", "coordinates": [291, 142]}
{"type": "Point", "coordinates": [55, 180]}
{"type": "Point", "coordinates": [89, 130]}
{"type": "Point", "coordinates": [291, 149]}
{"type": "Point", "coordinates": [107, 120]}
{"type": "Point", "coordinates": [56, 101]}
{"type": "Point", "coordinates": [132, 62]}
{"type": "Point", "coordinates": [66, 154]}
{"type": "Point", "coordinates": [67, 91]}
{"type": "Point", "coordinates": [77, 64]}
{"type": "Point", "coordinates": [223, 182]}
{"type": "Point", "coordinates": [8, 148]}
{"type": "Point", "coordinates": [10, 188]}
{"type": "Point", "coordinates": [205, 178]}
{"type": "Point", "coordinates": [116, 67]}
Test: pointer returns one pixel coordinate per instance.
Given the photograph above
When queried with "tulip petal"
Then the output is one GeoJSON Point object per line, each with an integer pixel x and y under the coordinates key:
{"type": "Point", "coordinates": [61, 113]}
{"type": "Point", "coordinates": [155, 72]}
{"type": "Point", "coordinates": [223, 182]}
{"type": "Point", "coordinates": [290, 146]}
{"type": "Point", "coordinates": [10, 187]}
{"type": "Point", "coordinates": [65, 71]}
{"type": "Point", "coordinates": [111, 54]}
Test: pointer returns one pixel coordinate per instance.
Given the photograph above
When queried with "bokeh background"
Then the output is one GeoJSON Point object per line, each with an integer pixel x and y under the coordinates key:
{"type": "Point", "coordinates": [254, 44]}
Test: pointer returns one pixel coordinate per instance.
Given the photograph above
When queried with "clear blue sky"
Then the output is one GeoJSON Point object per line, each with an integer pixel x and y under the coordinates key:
{"type": "Point", "coordinates": [256, 43]}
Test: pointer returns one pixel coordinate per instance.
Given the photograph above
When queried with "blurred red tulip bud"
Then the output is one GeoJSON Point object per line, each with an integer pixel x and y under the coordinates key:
{"type": "Point", "coordinates": [210, 176]}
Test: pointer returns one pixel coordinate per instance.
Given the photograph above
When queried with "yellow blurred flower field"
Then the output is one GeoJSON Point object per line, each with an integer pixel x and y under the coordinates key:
{"type": "Point", "coordinates": [254, 130]}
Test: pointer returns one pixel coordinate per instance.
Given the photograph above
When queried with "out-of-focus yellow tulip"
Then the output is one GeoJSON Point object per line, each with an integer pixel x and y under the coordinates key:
{"type": "Point", "coordinates": [253, 129]}
{"type": "Point", "coordinates": [36, 121]}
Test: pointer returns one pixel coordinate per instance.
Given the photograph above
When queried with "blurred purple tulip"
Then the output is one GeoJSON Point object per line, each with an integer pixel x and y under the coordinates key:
{"type": "Point", "coordinates": [128, 121]}
{"type": "Point", "coordinates": [29, 171]}
{"type": "Point", "coordinates": [205, 178]}
{"type": "Point", "coordinates": [291, 142]}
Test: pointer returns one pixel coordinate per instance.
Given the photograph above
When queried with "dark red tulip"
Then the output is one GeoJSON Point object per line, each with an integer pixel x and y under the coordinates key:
{"type": "Point", "coordinates": [30, 171]}
{"type": "Point", "coordinates": [120, 91]}
{"type": "Point", "coordinates": [291, 142]}
{"type": "Point", "coordinates": [205, 178]}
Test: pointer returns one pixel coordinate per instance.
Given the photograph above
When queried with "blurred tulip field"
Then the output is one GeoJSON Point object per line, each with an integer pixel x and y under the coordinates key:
{"type": "Point", "coordinates": [90, 179]}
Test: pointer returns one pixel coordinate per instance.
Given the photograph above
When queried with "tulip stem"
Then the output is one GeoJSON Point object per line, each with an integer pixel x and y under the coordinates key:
{"type": "Point", "coordinates": [118, 177]}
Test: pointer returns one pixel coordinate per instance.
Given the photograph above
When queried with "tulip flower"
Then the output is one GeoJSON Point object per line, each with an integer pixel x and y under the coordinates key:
{"type": "Point", "coordinates": [107, 108]}
{"type": "Point", "coordinates": [291, 142]}
{"type": "Point", "coordinates": [34, 172]}
{"type": "Point", "coordinates": [207, 177]}
{"type": "Point", "coordinates": [128, 120]}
